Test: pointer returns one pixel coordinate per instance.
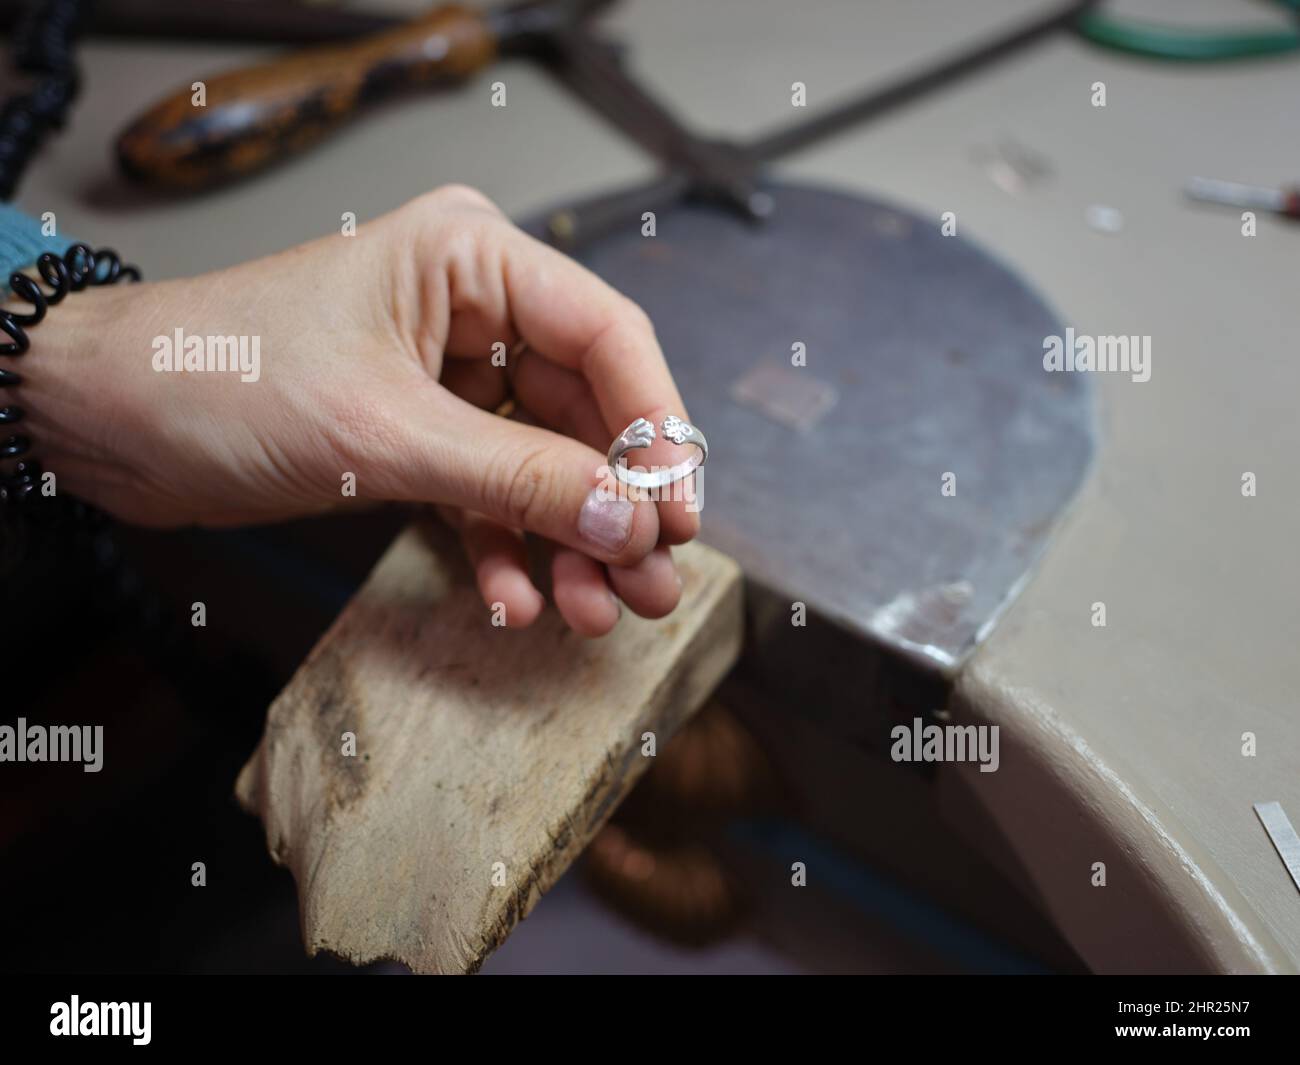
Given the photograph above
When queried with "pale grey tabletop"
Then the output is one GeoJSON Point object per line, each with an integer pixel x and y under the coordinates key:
{"type": "Point", "coordinates": [1128, 738]}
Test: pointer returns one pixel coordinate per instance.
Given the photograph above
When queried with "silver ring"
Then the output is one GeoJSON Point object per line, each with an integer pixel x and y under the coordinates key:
{"type": "Point", "coordinates": [641, 433]}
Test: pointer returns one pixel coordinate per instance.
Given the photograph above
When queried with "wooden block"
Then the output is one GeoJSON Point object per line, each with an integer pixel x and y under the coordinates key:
{"type": "Point", "coordinates": [486, 758]}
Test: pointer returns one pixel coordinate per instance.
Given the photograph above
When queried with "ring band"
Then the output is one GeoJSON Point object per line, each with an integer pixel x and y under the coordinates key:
{"type": "Point", "coordinates": [641, 433]}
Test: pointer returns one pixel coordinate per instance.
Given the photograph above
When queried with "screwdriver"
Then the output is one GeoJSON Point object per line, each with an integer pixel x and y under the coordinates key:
{"type": "Point", "coordinates": [1285, 201]}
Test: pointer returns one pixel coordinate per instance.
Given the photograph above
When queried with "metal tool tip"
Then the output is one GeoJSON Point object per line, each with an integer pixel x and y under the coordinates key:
{"type": "Point", "coordinates": [761, 204]}
{"type": "Point", "coordinates": [562, 226]}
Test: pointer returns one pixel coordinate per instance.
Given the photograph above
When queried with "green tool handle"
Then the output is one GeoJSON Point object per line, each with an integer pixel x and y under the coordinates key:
{"type": "Point", "coordinates": [1191, 46]}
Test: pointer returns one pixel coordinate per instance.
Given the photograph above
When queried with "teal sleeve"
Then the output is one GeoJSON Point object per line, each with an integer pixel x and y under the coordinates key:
{"type": "Point", "coordinates": [22, 242]}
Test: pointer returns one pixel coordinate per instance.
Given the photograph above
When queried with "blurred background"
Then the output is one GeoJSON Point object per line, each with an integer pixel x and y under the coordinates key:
{"type": "Point", "coordinates": [1083, 204]}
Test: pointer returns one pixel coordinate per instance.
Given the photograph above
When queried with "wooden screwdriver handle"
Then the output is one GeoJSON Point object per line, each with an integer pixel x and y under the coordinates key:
{"type": "Point", "coordinates": [257, 115]}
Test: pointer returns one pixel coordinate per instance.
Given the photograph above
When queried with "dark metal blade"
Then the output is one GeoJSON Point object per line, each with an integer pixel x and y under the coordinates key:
{"type": "Point", "coordinates": [875, 102]}
{"type": "Point", "coordinates": [924, 357]}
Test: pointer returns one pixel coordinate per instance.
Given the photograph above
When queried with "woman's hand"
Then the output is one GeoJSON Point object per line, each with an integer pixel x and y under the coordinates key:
{"type": "Point", "coordinates": [376, 363]}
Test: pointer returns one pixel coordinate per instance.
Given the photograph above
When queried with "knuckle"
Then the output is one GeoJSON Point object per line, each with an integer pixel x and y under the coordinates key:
{"type": "Point", "coordinates": [627, 326]}
{"type": "Point", "coordinates": [447, 197]}
{"type": "Point", "coordinates": [527, 488]}
{"type": "Point", "coordinates": [466, 241]}
{"type": "Point", "coordinates": [637, 319]}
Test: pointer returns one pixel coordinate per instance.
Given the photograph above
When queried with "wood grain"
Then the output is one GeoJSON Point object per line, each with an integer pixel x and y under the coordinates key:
{"type": "Point", "coordinates": [475, 745]}
{"type": "Point", "coordinates": [258, 115]}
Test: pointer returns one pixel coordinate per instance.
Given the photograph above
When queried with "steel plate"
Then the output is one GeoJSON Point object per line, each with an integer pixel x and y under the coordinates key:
{"type": "Point", "coordinates": [924, 357]}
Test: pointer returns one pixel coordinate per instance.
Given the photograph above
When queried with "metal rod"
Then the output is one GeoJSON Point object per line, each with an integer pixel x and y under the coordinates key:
{"type": "Point", "coordinates": [573, 226]}
{"type": "Point", "coordinates": [589, 68]}
{"type": "Point", "coordinates": [1235, 194]}
{"type": "Point", "coordinates": [875, 102]}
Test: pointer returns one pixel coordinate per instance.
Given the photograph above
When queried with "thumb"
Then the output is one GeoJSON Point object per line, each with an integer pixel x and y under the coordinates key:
{"type": "Point", "coordinates": [525, 477]}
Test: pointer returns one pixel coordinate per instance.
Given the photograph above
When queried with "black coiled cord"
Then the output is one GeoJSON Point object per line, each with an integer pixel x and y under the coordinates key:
{"type": "Point", "coordinates": [65, 551]}
{"type": "Point", "coordinates": [42, 48]}
{"type": "Point", "coordinates": [78, 267]}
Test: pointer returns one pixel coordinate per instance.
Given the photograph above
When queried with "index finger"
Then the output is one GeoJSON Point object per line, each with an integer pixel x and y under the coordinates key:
{"type": "Point", "coordinates": [569, 315]}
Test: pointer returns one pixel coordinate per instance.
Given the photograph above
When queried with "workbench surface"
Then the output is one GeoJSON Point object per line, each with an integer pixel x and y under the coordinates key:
{"type": "Point", "coordinates": [1121, 744]}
